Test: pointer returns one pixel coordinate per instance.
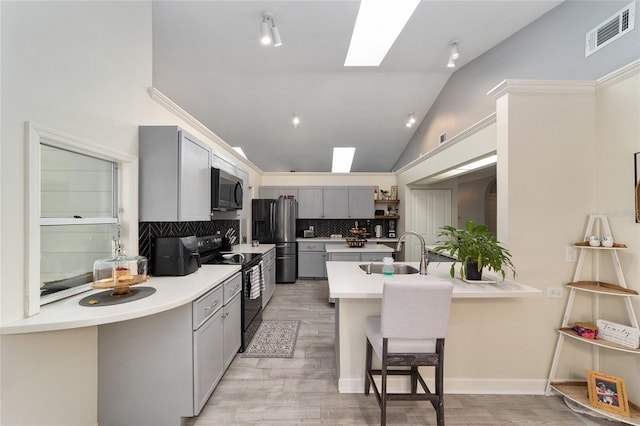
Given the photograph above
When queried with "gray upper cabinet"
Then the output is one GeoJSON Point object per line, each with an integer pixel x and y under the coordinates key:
{"type": "Point", "coordinates": [175, 176]}
{"type": "Point", "coordinates": [327, 202]}
{"type": "Point", "coordinates": [336, 202]}
{"type": "Point", "coordinates": [361, 202]}
{"type": "Point", "coordinates": [276, 192]}
{"type": "Point", "coordinates": [222, 164]}
{"type": "Point", "coordinates": [310, 204]}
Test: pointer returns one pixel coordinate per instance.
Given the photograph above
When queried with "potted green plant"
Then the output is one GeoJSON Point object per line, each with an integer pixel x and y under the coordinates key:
{"type": "Point", "coordinates": [475, 248]}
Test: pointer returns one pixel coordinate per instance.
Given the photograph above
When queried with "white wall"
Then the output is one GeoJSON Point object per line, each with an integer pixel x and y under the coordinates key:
{"type": "Point", "coordinates": [617, 139]}
{"type": "Point", "coordinates": [84, 69]}
{"type": "Point", "coordinates": [558, 145]}
{"type": "Point", "coordinates": [383, 180]}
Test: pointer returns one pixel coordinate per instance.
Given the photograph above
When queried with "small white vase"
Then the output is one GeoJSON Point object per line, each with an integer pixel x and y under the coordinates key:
{"type": "Point", "coordinates": [607, 241]}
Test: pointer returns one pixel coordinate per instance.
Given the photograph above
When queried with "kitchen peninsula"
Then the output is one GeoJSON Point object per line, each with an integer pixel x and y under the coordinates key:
{"type": "Point", "coordinates": [358, 295]}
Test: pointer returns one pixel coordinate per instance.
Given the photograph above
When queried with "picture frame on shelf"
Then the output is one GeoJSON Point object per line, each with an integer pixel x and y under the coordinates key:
{"type": "Point", "coordinates": [607, 393]}
{"type": "Point", "coordinates": [394, 192]}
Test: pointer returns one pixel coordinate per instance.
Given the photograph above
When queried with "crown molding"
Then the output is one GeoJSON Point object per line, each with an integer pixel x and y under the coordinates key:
{"type": "Point", "coordinates": [174, 108]}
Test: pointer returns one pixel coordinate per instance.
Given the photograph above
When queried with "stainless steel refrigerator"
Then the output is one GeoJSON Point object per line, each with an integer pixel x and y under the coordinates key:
{"type": "Point", "coordinates": [274, 222]}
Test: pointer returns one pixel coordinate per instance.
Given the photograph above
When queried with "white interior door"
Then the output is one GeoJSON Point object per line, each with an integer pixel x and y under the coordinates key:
{"type": "Point", "coordinates": [430, 210]}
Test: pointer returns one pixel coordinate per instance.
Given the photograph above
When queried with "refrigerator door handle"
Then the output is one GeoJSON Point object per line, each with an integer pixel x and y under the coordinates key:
{"type": "Point", "coordinates": [272, 216]}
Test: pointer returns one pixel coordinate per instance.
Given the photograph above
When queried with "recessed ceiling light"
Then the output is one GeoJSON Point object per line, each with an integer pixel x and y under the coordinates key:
{"type": "Point", "coordinates": [295, 120]}
{"type": "Point", "coordinates": [342, 159]}
{"type": "Point", "coordinates": [377, 27]}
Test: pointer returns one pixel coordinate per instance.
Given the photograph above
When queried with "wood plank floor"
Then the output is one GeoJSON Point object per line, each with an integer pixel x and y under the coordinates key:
{"type": "Point", "coordinates": [303, 390]}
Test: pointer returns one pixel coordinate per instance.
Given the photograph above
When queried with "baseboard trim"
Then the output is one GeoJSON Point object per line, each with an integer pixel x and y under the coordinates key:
{"type": "Point", "coordinates": [458, 386]}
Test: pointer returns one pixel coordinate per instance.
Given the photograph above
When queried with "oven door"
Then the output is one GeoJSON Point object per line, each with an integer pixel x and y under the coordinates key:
{"type": "Point", "coordinates": [251, 307]}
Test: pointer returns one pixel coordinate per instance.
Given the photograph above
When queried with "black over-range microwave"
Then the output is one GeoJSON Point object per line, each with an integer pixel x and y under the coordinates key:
{"type": "Point", "coordinates": [226, 191]}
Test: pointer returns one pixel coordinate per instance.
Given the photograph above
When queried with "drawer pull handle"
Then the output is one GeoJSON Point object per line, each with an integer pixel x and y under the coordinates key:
{"type": "Point", "coordinates": [208, 308]}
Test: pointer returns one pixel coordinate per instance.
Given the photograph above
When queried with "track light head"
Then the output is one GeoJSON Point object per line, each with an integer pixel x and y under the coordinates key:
{"type": "Point", "coordinates": [411, 120]}
{"type": "Point", "coordinates": [454, 50]}
{"type": "Point", "coordinates": [277, 41]}
{"type": "Point", "coordinates": [454, 54]}
{"type": "Point", "coordinates": [265, 38]}
{"type": "Point", "coordinates": [451, 63]}
{"type": "Point", "coordinates": [268, 30]}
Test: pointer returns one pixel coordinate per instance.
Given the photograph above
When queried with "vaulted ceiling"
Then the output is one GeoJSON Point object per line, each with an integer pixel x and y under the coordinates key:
{"type": "Point", "coordinates": [207, 58]}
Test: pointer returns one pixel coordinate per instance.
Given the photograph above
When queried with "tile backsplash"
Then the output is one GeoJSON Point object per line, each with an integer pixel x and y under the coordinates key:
{"type": "Point", "coordinates": [147, 231]}
{"type": "Point", "coordinates": [327, 227]}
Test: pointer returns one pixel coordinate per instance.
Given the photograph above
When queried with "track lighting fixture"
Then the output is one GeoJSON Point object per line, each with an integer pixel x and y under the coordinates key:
{"type": "Point", "coordinates": [269, 33]}
{"type": "Point", "coordinates": [454, 54]}
{"type": "Point", "coordinates": [411, 120]}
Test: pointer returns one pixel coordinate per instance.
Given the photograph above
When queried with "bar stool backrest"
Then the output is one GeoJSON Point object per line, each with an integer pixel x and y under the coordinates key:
{"type": "Point", "coordinates": [415, 309]}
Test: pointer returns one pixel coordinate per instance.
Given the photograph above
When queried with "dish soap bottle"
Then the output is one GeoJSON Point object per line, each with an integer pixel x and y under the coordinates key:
{"type": "Point", "coordinates": [387, 265]}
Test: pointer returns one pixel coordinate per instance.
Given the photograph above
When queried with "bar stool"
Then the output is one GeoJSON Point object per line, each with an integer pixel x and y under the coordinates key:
{"type": "Point", "coordinates": [410, 333]}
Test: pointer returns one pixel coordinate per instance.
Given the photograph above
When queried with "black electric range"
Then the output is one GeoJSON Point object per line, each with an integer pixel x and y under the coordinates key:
{"type": "Point", "coordinates": [211, 252]}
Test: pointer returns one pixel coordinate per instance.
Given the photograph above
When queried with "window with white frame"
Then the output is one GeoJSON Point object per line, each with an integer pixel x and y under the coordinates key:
{"type": "Point", "coordinates": [78, 216]}
{"type": "Point", "coordinates": [74, 210]}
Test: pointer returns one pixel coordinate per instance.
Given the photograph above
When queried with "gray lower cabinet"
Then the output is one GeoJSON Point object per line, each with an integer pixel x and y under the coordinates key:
{"type": "Point", "coordinates": [357, 257]}
{"type": "Point", "coordinates": [157, 369]}
{"type": "Point", "coordinates": [311, 260]}
{"type": "Point", "coordinates": [343, 257]}
{"type": "Point", "coordinates": [269, 265]}
{"type": "Point", "coordinates": [174, 176]}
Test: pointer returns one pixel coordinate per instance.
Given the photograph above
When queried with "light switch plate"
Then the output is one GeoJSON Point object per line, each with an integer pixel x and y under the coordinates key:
{"type": "Point", "coordinates": [571, 254]}
{"type": "Point", "coordinates": [555, 293]}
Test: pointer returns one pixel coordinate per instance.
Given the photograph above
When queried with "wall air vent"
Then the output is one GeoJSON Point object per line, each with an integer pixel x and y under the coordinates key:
{"type": "Point", "coordinates": [613, 28]}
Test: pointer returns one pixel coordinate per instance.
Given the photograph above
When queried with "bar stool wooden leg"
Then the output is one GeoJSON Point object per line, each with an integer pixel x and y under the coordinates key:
{"type": "Point", "coordinates": [367, 382]}
{"type": "Point", "coordinates": [383, 397]}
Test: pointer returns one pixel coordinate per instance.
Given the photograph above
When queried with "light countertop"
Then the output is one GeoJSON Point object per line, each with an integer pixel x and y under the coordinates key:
{"type": "Point", "coordinates": [347, 280]}
{"type": "Point", "coordinates": [171, 292]}
{"type": "Point", "coordinates": [344, 240]}
{"type": "Point", "coordinates": [248, 248]}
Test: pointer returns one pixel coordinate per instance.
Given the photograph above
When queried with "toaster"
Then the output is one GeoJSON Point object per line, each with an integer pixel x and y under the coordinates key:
{"type": "Point", "coordinates": [308, 233]}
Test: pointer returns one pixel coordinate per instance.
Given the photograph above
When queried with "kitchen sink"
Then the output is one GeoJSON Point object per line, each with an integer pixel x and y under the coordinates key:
{"type": "Point", "coordinates": [397, 269]}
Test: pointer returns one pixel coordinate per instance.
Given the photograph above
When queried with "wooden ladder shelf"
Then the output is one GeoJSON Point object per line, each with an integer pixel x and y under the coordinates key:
{"type": "Point", "coordinates": [577, 391]}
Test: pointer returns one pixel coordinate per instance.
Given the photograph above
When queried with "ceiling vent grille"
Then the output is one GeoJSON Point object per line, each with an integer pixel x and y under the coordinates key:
{"type": "Point", "coordinates": [613, 28]}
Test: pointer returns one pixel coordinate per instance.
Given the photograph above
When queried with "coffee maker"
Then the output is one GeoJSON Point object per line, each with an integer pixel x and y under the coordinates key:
{"type": "Point", "coordinates": [392, 229]}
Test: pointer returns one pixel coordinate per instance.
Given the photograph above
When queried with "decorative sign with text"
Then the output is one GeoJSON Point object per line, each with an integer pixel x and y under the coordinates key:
{"type": "Point", "coordinates": [618, 333]}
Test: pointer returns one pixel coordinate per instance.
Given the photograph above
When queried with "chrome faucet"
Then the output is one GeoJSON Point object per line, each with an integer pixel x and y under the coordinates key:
{"type": "Point", "coordinates": [424, 260]}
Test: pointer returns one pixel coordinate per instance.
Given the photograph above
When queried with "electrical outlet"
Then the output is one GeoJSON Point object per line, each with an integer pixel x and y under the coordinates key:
{"type": "Point", "coordinates": [555, 293]}
{"type": "Point", "coordinates": [571, 254]}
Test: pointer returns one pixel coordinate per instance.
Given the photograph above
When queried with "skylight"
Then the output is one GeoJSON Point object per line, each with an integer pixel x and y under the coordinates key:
{"type": "Point", "coordinates": [342, 159]}
{"type": "Point", "coordinates": [240, 151]}
{"type": "Point", "coordinates": [378, 24]}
